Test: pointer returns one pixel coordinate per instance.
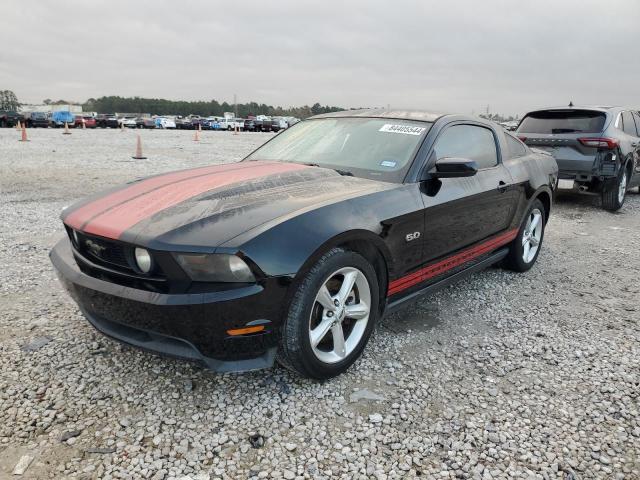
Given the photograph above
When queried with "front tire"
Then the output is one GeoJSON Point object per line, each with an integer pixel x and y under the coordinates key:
{"type": "Point", "coordinates": [524, 250]}
{"type": "Point", "coordinates": [331, 316]}
{"type": "Point", "coordinates": [613, 197]}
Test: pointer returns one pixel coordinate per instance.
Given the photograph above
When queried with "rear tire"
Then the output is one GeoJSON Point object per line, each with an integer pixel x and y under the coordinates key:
{"type": "Point", "coordinates": [331, 316]}
{"type": "Point", "coordinates": [524, 250]}
{"type": "Point", "coordinates": [613, 197]}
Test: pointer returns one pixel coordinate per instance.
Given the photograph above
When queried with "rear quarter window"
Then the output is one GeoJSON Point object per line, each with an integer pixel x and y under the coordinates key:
{"type": "Point", "coordinates": [516, 147]}
{"type": "Point", "coordinates": [629, 125]}
{"type": "Point", "coordinates": [563, 121]}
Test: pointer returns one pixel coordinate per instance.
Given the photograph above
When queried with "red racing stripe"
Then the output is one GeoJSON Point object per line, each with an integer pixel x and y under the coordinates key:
{"type": "Point", "coordinates": [78, 218]}
{"type": "Point", "coordinates": [451, 262]}
{"type": "Point", "coordinates": [113, 222]}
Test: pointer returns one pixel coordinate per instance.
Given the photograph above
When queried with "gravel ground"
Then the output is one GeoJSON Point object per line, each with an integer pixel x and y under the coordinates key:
{"type": "Point", "coordinates": [534, 375]}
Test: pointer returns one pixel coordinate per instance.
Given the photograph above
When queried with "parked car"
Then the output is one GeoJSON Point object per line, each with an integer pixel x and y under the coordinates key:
{"type": "Point", "coordinates": [59, 118]}
{"type": "Point", "coordinates": [275, 125]}
{"type": "Point", "coordinates": [164, 122]}
{"type": "Point", "coordinates": [209, 124]}
{"type": "Point", "coordinates": [183, 123]}
{"type": "Point", "coordinates": [128, 122]}
{"type": "Point", "coordinates": [10, 118]}
{"type": "Point", "coordinates": [227, 123]}
{"type": "Point", "coordinates": [198, 122]}
{"type": "Point", "coordinates": [509, 126]}
{"type": "Point", "coordinates": [258, 125]}
{"type": "Point", "coordinates": [249, 126]}
{"type": "Point", "coordinates": [145, 122]}
{"type": "Point", "coordinates": [297, 251]}
{"type": "Point", "coordinates": [107, 120]}
{"type": "Point", "coordinates": [89, 121]}
{"type": "Point", "coordinates": [597, 148]}
{"type": "Point", "coordinates": [37, 119]}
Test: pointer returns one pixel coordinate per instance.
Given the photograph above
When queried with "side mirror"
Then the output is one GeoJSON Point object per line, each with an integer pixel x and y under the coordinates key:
{"type": "Point", "coordinates": [454, 168]}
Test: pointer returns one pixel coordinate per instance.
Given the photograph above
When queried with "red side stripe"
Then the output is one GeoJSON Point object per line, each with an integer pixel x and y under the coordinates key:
{"type": "Point", "coordinates": [114, 222]}
{"type": "Point", "coordinates": [451, 262]}
{"type": "Point", "coordinates": [84, 214]}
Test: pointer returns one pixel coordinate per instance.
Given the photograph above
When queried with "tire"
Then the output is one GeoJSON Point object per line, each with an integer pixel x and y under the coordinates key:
{"type": "Point", "coordinates": [307, 315]}
{"type": "Point", "coordinates": [613, 196]}
{"type": "Point", "coordinates": [520, 258]}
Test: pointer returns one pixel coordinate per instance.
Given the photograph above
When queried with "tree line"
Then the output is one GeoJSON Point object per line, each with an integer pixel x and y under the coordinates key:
{"type": "Point", "coordinates": [8, 100]}
{"type": "Point", "coordinates": [160, 106]}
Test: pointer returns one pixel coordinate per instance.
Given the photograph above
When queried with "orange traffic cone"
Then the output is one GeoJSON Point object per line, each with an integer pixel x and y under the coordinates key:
{"type": "Point", "coordinates": [24, 134]}
{"type": "Point", "coordinates": [196, 137]}
{"type": "Point", "coordinates": [84, 124]}
{"type": "Point", "coordinates": [139, 155]}
{"type": "Point", "coordinates": [66, 129]}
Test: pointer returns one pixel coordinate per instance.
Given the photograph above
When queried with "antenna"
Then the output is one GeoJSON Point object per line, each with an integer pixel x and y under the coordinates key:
{"type": "Point", "coordinates": [570, 103]}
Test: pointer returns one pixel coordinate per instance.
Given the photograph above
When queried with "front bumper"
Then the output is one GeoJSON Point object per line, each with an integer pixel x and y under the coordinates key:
{"type": "Point", "coordinates": [190, 326]}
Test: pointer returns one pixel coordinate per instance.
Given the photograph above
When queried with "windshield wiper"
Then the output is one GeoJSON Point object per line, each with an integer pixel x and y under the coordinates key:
{"type": "Point", "coordinates": [344, 173]}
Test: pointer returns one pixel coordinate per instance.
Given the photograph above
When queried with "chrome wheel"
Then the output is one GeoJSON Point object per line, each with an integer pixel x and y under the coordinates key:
{"type": "Point", "coordinates": [532, 235]}
{"type": "Point", "coordinates": [340, 315]}
{"type": "Point", "coordinates": [622, 188]}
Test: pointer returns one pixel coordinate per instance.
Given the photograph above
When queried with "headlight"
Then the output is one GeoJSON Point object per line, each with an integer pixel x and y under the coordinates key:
{"type": "Point", "coordinates": [215, 267]}
{"type": "Point", "coordinates": [143, 259]}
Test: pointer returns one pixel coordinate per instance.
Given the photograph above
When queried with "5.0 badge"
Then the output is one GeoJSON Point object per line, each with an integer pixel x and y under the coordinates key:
{"type": "Point", "coordinates": [412, 236]}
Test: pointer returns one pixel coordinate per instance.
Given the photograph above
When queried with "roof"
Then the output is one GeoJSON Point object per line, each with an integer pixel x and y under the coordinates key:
{"type": "Point", "coordinates": [419, 115]}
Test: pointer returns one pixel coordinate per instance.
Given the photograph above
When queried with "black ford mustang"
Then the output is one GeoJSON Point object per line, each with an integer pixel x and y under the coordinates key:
{"type": "Point", "coordinates": [295, 252]}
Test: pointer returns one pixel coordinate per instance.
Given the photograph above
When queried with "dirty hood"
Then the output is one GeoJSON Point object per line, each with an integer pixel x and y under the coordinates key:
{"type": "Point", "coordinates": [201, 208]}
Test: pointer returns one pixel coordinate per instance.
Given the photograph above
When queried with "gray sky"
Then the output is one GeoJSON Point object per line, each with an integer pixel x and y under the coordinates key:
{"type": "Point", "coordinates": [454, 55]}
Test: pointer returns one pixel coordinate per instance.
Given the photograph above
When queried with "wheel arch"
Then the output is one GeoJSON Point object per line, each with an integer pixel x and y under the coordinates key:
{"type": "Point", "coordinates": [363, 242]}
{"type": "Point", "coordinates": [545, 198]}
{"type": "Point", "coordinates": [629, 167]}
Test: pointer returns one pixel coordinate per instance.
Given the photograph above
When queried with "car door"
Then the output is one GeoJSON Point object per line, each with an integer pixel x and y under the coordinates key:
{"type": "Point", "coordinates": [635, 180]}
{"type": "Point", "coordinates": [465, 211]}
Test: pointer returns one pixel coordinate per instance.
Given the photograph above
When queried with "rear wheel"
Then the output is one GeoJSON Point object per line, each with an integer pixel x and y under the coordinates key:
{"type": "Point", "coordinates": [613, 196]}
{"type": "Point", "coordinates": [331, 316]}
{"type": "Point", "coordinates": [524, 250]}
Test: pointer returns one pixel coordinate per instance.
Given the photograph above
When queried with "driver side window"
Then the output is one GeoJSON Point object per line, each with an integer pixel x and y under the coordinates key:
{"type": "Point", "coordinates": [470, 142]}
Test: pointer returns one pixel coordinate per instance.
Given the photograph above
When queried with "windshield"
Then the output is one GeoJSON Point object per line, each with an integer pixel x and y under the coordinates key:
{"type": "Point", "coordinates": [376, 148]}
{"type": "Point", "coordinates": [559, 121]}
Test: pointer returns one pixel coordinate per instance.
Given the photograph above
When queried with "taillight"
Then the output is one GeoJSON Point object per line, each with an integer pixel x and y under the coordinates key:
{"type": "Point", "coordinates": [599, 142]}
{"type": "Point", "coordinates": [522, 139]}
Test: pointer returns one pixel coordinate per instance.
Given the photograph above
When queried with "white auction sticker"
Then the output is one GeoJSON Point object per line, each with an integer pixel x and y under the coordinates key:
{"type": "Point", "coordinates": [404, 129]}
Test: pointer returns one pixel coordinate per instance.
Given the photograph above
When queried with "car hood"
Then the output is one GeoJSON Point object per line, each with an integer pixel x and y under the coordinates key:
{"type": "Point", "coordinates": [199, 209]}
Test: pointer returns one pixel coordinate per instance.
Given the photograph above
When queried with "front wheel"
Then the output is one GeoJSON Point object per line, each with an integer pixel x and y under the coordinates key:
{"type": "Point", "coordinates": [331, 316]}
{"type": "Point", "coordinates": [613, 196]}
{"type": "Point", "coordinates": [524, 250]}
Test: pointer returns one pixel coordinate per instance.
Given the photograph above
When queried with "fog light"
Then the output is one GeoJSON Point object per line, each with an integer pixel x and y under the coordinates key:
{"type": "Point", "coordinates": [143, 260]}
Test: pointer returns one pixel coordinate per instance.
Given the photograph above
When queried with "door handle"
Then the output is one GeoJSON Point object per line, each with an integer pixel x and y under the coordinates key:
{"type": "Point", "coordinates": [502, 187]}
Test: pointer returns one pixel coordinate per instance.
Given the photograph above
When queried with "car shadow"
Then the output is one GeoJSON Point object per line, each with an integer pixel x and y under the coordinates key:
{"type": "Point", "coordinates": [579, 200]}
{"type": "Point", "coordinates": [420, 316]}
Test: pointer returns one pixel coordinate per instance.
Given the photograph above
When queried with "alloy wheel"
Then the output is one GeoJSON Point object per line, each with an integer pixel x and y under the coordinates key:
{"type": "Point", "coordinates": [622, 188]}
{"type": "Point", "coordinates": [532, 235]}
{"type": "Point", "coordinates": [340, 315]}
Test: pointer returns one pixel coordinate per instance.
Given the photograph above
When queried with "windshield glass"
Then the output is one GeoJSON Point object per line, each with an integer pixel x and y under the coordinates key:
{"type": "Point", "coordinates": [376, 148]}
{"type": "Point", "coordinates": [558, 122]}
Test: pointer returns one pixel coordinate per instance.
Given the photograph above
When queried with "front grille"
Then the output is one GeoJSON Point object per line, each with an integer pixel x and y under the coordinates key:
{"type": "Point", "coordinates": [113, 261]}
{"type": "Point", "coordinates": [104, 251]}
